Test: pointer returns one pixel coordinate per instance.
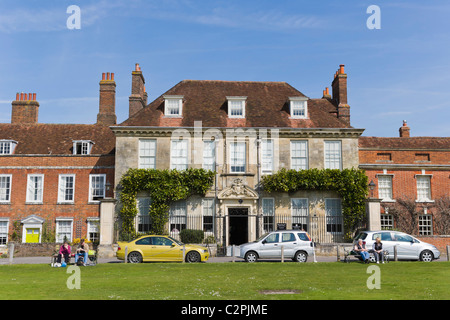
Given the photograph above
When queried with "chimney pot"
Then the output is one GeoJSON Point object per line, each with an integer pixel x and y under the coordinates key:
{"type": "Point", "coordinates": [17, 96]}
{"type": "Point", "coordinates": [107, 76]}
{"type": "Point", "coordinates": [34, 96]}
{"type": "Point", "coordinates": [341, 69]}
{"type": "Point", "coordinates": [112, 76]}
{"type": "Point", "coordinates": [103, 76]}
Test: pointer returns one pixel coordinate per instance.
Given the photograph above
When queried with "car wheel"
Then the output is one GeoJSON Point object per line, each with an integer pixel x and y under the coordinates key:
{"type": "Point", "coordinates": [426, 256]}
{"type": "Point", "coordinates": [134, 257]}
{"type": "Point", "coordinates": [251, 256]}
{"type": "Point", "coordinates": [301, 256]}
{"type": "Point", "coordinates": [193, 256]}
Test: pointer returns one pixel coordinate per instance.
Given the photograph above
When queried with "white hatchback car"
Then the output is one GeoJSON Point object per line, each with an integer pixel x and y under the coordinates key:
{"type": "Point", "coordinates": [408, 247]}
{"type": "Point", "coordinates": [296, 244]}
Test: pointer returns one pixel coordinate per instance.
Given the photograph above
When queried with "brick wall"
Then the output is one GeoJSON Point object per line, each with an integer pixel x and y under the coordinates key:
{"type": "Point", "coordinates": [441, 242]}
{"type": "Point", "coordinates": [51, 167]}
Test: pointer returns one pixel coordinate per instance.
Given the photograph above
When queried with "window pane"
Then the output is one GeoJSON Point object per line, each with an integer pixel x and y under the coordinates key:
{"type": "Point", "coordinates": [179, 154]}
{"type": "Point", "coordinates": [237, 151]}
{"type": "Point", "coordinates": [423, 188]}
{"type": "Point", "coordinates": [267, 155]}
{"type": "Point", "coordinates": [97, 187]}
{"type": "Point", "coordinates": [298, 108]}
{"type": "Point", "coordinates": [236, 108]}
{"type": "Point", "coordinates": [35, 188]}
{"type": "Point", "coordinates": [333, 211]}
{"type": "Point", "coordinates": [300, 213]}
{"type": "Point", "coordinates": [385, 187]}
{"type": "Point", "coordinates": [209, 155]}
{"type": "Point", "coordinates": [5, 188]}
{"type": "Point", "coordinates": [332, 154]}
{"type": "Point", "coordinates": [299, 155]}
{"type": "Point", "coordinates": [147, 154]}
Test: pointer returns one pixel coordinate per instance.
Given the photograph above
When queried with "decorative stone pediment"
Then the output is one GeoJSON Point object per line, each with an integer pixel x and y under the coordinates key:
{"type": "Point", "coordinates": [33, 219]}
{"type": "Point", "coordinates": [238, 190]}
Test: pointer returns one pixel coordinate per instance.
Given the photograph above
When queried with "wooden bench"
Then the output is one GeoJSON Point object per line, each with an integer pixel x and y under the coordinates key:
{"type": "Point", "coordinates": [353, 254]}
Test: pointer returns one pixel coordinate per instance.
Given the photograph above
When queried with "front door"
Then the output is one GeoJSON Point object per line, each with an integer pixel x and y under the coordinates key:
{"type": "Point", "coordinates": [32, 235]}
{"type": "Point", "coordinates": [237, 226]}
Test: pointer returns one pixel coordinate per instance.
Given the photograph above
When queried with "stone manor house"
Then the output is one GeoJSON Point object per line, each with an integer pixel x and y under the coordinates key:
{"type": "Point", "coordinates": [63, 180]}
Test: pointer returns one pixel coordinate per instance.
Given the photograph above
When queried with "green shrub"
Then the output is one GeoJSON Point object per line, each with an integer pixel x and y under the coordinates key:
{"type": "Point", "coordinates": [191, 236]}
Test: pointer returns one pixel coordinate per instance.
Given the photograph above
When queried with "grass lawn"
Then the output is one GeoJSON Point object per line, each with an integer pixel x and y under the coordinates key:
{"type": "Point", "coordinates": [228, 281]}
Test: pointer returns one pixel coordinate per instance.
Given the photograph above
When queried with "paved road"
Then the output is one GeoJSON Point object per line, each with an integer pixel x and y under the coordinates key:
{"type": "Point", "coordinates": [46, 260]}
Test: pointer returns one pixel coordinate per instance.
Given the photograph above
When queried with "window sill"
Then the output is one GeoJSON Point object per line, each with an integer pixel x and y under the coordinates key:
{"type": "Point", "coordinates": [424, 201]}
{"type": "Point", "coordinates": [65, 203]}
{"type": "Point", "coordinates": [34, 203]}
{"type": "Point", "coordinates": [388, 200]}
{"type": "Point", "coordinates": [238, 174]}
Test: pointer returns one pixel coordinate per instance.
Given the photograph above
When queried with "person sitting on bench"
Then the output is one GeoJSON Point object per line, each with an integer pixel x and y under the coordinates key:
{"type": "Point", "coordinates": [82, 250]}
{"type": "Point", "coordinates": [378, 250]}
{"type": "Point", "coordinates": [360, 248]}
{"type": "Point", "coordinates": [64, 251]}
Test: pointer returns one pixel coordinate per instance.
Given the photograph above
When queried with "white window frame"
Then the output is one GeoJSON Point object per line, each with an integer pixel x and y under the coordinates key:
{"type": "Point", "coordinates": [177, 216]}
{"type": "Point", "coordinates": [303, 143]}
{"type": "Point", "coordinates": [93, 226]}
{"type": "Point", "coordinates": [298, 107]}
{"type": "Point", "coordinates": [147, 151]}
{"type": "Point", "coordinates": [330, 155]}
{"type": "Point", "coordinates": [62, 188]}
{"type": "Point", "coordinates": [143, 216]}
{"type": "Point", "coordinates": [7, 146]}
{"type": "Point", "coordinates": [236, 162]}
{"type": "Point", "coordinates": [385, 187]}
{"type": "Point", "coordinates": [4, 228]}
{"type": "Point", "coordinates": [236, 104]}
{"type": "Point", "coordinates": [168, 109]}
{"type": "Point", "coordinates": [208, 210]}
{"type": "Point", "coordinates": [334, 217]}
{"type": "Point", "coordinates": [7, 189]}
{"type": "Point", "coordinates": [58, 237]}
{"type": "Point", "coordinates": [302, 218]}
{"type": "Point", "coordinates": [209, 155]}
{"type": "Point", "coordinates": [86, 147]}
{"type": "Point", "coordinates": [179, 158]}
{"type": "Point", "coordinates": [91, 176]}
{"type": "Point", "coordinates": [32, 191]}
{"type": "Point", "coordinates": [425, 225]}
{"type": "Point", "coordinates": [419, 178]}
{"type": "Point", "coordinates": [267, 156]}
{"type": "Point", "coordinates": [268, 212]}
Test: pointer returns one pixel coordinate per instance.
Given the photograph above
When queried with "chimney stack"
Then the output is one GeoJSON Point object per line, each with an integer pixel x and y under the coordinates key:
{"type": "Point", "coordinates": [107, 102]}
{"type": "Point", "coordinates": [339, 88]}
{"type": "Point", "coordinates": [25, 108]}
{"type": "Point", "coordinates": [404, 130]}
{"type": "Point", "coordinates": [138, 97]}
{"type": "Point", "coordinates": [326, 93]}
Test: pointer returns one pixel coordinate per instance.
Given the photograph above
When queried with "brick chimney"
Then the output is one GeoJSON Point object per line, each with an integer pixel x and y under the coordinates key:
{"type": "Point", "coordinates": [404, 130]}
{"type": "Point", "coordinates": [339, 88]}
{"type": "Point", "coordinates": [25, 108]}
{"type": "Point", "coordinates": [138, 97]}
{"type": "Point", "coordinates": [107, 102]}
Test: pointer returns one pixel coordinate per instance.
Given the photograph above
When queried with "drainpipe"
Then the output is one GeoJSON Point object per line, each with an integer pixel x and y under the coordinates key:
{"type": "Point", "coordinates": [258, 185]}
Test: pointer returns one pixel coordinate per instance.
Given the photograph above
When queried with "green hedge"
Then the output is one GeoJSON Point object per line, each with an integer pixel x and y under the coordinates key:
{"type": "Point", "coordinates": [191, 236]}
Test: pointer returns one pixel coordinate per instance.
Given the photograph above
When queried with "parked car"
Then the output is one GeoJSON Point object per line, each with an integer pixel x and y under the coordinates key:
{"type": "Point", "coordinates": [160, 248]}
{"type": "Point", "coordinates": [296, 244]}
{"type": "Point", "coordinates": [408, 247]}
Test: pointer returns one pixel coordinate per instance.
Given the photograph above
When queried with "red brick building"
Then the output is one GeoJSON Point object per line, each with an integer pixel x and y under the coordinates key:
{"type": "Point", "coordinates": [52, 176]}
{"type": "Point", "coordinates": [412, 177]}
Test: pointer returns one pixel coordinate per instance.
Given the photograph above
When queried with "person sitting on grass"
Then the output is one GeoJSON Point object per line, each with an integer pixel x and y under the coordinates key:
{"type": "Point", "coordinates": [82, 250]}
{"type": "Point", "coordinates": [360, 247]}
{"type": "Point", "coordinates": [64, 251]}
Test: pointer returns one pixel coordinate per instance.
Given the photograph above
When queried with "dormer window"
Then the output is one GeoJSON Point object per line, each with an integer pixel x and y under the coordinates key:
{"type": "Point", "coordinates": [7, 146]}
{"type": "Point", "coordinates": [173, 106]}
{"type": "Point", "coordinates": [236, 107]}
{"type": "Point", "coordinates": [298, 107]}
{"type": "Point", "coordinates": [82, 147]}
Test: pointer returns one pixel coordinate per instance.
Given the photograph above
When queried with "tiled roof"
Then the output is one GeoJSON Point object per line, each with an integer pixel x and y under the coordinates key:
{"type": "Point", "coordinates": [405, 143]}
{"type": "Point", "coordinates": [57, 138]}
{"type": "Point", "coordinates": [266, 106]}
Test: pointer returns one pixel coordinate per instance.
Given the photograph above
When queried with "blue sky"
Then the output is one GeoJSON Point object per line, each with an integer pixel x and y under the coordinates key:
{"type": "Point", "coordinates": [399, 72]}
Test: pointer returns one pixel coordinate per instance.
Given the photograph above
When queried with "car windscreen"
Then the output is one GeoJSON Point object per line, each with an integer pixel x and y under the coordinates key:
{"type": "Point", "coordinates": [176, 241]}
{"type": "Point", "coordinates": [361, 236]}
{"type": "Point", "coordinates": [303, 236]}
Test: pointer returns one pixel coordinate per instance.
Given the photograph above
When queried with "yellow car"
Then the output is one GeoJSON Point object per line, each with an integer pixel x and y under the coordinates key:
{"type": "Point", "coordinates": [160, 248]}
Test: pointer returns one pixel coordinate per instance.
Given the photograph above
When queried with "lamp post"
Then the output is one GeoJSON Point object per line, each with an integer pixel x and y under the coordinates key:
{"type": "Point", "coordinates": [371, 188]}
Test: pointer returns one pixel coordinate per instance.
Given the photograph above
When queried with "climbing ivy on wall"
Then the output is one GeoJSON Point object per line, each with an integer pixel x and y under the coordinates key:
{"type": "Point", "coordinates": [350, 184]}
{"type": "Point", "coordinates": [164, 187]}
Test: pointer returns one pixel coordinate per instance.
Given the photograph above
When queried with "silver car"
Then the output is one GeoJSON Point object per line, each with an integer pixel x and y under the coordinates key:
{"type": "Point", "coordinates": [408, 247]}
{"type": "Point", "coordinates": [296, 245]}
